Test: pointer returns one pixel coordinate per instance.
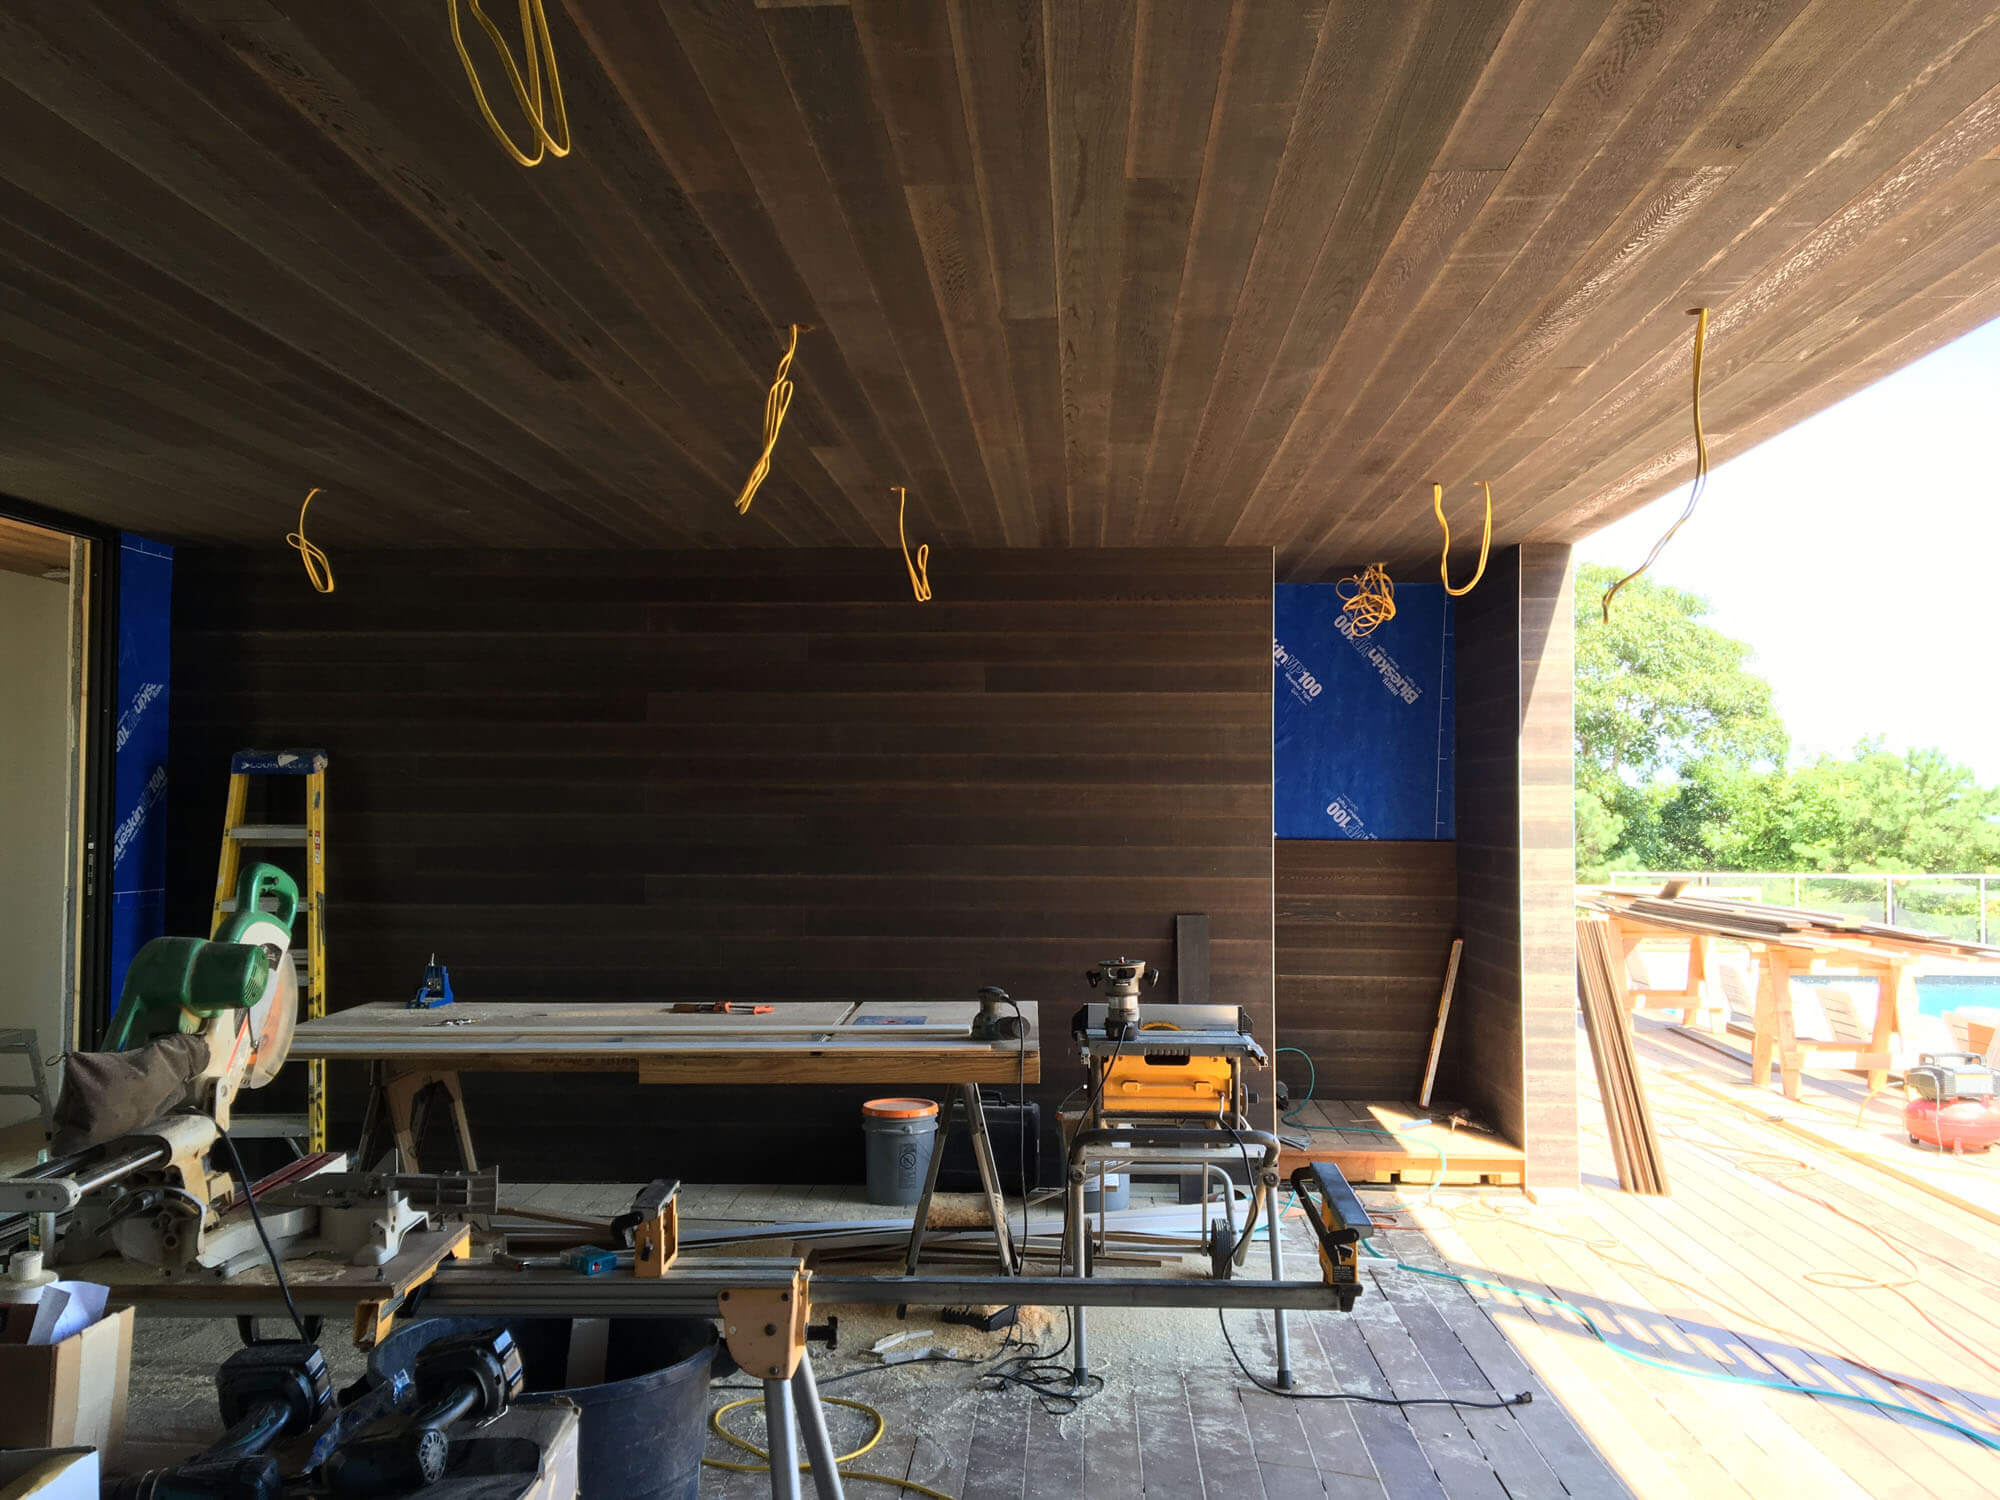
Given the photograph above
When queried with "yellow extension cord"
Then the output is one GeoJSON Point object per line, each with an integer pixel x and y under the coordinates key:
{"type": "Point", "coordinates": [776, 404]}
{"type": "Point", "coordinates": [1700, 315]}
{"type": "Point", "coordinates": [1372, 601]}
{"type": "Point", "coordinates": [881, 1429]}
{"type": "Point", "coordinates": [920, 565]}
{"type": "Point", "coordinates": [540, 49]}
{"type": "Point", "coordinates": [1485, 542]}
{"type": "Point", "coordinates": [318, 569]}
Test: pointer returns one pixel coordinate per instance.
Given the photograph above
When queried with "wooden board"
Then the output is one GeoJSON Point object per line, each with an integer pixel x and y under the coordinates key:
{"type": "Point", "coordinates": [1103, 272]}
{"type": "Point", "coordinates": [796, 1042]}
{"type": "Point", "coordinates": [1377, 1141]}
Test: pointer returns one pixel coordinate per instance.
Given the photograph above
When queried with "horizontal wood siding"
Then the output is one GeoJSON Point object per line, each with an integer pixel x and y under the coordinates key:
{"type": "Point", "coordinates": [578, 775]}
{"type": "Point", "coordinates": [1511, 1050]}
{"type": "Point", "coordinates": [1364, 930]}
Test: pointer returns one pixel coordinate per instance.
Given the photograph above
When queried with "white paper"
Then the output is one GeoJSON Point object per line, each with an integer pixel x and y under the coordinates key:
{"type": "Point", "coordinates": [86, 1306]}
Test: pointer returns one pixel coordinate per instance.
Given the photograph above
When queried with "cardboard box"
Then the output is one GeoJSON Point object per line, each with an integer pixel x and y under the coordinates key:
{"type": "Point", "coordinates": [52, 1473]}
{"type": "Point", "coordinates": [71, 1394]}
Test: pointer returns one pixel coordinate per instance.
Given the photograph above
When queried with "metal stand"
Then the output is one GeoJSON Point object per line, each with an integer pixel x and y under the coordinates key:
{"type": "Point", "coordinates": [791, 1411]}
{"type": "Point", "coordinates": [965, 1097]}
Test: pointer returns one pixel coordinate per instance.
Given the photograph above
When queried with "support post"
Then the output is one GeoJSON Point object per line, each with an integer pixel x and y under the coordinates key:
{"type": "Point", "coordinates": [812, 1426]}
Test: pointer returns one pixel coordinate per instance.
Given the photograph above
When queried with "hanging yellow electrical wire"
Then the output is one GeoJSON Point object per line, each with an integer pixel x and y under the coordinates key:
{"type": "Point", "coordinates": [1485, 541]}
{"type": "Point", "coordinates": [1700, 315]}
{"type": "Point", "coordinates": [776, 403]}
{"type": "Point", "coordinates": [1370, 599]}
{"type": "Point", "coordinates": [540, 52]}
{"type": "Point", "coordinates": [919, 566]}
{"type": "Point", "coordinates": [318, 569]}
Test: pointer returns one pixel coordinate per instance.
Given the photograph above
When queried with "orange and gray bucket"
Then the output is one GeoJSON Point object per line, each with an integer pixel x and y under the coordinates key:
{"type": "Point", "coordinates": [901, 1135]}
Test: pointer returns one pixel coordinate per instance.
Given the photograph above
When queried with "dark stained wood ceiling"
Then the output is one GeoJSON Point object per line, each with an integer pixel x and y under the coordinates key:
{"type": "Point", "coordinates": [1079, 271]}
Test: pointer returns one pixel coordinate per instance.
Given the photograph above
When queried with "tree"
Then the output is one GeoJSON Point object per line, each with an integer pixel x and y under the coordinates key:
{"type": "Point", "coordinates": [1883, 811]}
{"type": "Point", "coordinates": [1659, 694]}
{"type": "Point", "coordinates": [1681, 761]}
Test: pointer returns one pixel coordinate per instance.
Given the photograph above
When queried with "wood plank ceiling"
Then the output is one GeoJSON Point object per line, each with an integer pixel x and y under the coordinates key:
{"type": "Point", "coordinates": [1079, 272]}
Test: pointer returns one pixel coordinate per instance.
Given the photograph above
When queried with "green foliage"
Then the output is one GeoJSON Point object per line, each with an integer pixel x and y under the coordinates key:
{"type": "Point", "coordinates": [1681, 762]}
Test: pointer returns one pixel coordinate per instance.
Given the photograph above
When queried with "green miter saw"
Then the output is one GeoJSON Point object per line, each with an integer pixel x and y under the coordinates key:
{"type": "Point", "coordinates": [238, 990]}
{"type": "Point", "coordinates": [199, 1020]}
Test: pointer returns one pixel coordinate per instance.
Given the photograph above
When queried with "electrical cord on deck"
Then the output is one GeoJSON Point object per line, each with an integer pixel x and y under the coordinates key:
{"type": "Point", "coordinates": [1700, 314]}
{"type": "Point", "coordinates": [881, 1429]}
{"type": "Point", "coordinates": [1521, 1400]}
{"type": "Point", "coordinates": [1797, 1389]}
{"type": "Point", "coordinates": [277, 1264]}
{"type": "Point", "coordinates": [1291, 1117]}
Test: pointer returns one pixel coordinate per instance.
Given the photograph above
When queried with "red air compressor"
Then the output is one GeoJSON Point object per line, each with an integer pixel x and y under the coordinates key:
{"type": "Point", "coordinates": [1951, 1102]}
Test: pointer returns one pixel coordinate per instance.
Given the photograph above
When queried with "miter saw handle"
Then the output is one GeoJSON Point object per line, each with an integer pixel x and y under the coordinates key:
{"type": "Point", "coordinates": [256, 882]}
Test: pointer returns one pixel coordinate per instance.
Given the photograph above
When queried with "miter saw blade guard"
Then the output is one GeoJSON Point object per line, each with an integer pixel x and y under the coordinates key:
{"type": "Point", "coordinates": [273, 1017]}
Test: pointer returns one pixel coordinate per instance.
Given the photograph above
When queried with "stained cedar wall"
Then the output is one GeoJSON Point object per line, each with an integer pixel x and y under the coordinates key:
{"type": "Point", "coordinates": [579, 775]}
{"type": "Point", "coordinates": [1364, 929]}
{"type": "Point", "coordinates": [1511, 1049]}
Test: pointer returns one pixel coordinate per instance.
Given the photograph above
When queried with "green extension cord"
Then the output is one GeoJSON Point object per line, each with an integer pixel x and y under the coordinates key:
{"type": "Point", "coordinates": [1660, 1364]}
{"type": "Point", "coordinates": [1291, 1118]}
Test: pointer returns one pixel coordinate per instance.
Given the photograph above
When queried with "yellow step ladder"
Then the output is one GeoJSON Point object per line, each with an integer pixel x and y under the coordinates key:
{"type": "Point", "coordinates": [309, 836]}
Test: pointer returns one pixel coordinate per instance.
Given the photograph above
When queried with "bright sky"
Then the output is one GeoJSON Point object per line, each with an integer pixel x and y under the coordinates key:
{"type": "Point", "coordinates": [1859, 555]}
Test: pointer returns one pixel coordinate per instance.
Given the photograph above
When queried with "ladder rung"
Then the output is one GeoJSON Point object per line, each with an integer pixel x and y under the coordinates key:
{"type": "Point", "coordinates": [228, 904]}
{"type": "Point", "coordinates": [267, 833]}
{"type": "Point", "coordinates": [268, 1127]}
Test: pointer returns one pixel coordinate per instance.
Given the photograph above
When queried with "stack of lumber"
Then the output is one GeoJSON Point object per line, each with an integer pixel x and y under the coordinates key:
{"type": "Point", "coordinates": [1749, 922]}
{"type": "Point", "coordinates": [1600, 986]}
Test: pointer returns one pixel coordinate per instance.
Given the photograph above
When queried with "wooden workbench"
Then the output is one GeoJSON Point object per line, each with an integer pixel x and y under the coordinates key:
{"type": "Point", "coordinates": [920, 1042]}
{"type": "Point", "coordinates": [797, 1041]}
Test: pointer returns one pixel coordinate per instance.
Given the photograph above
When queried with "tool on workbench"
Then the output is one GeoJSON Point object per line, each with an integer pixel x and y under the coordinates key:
{"type": "Point", "coordinates": [309, 836]}
{"type": "Point", "coordinates": [266, 1392]}
{"type": "Point", "coordinates": [592, 1260]}
{"type": "Point", "coordinates": [1121, 978]}
{"type": "Point", "coordinates": [996, 1021]}
{"type": "Point", "coordinates": [435, 989]}
{"type": "Point", "coordinates": [145, 1168]}
{"type": "Point", "coordinates": [722, 1008]}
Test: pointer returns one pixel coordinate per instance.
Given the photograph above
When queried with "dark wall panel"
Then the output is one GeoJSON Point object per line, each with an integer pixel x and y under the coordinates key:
{"type": "Point", "coordinates": [1511, 1048]}
{"type": "Point", "coordinates": [581, 775]}
{"type": "Point", "coordinates": [1364, 931]}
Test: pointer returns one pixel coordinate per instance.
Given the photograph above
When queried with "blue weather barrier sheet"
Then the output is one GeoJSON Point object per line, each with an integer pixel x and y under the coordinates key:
{"type": "Point", "coordinates": [1362, 726]}
{"type": "Point", "coordinates": [139, 840]}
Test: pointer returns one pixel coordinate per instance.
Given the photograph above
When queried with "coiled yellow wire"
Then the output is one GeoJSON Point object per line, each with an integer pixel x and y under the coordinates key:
{"type": "Point", "coordinates": [1485, 542]}
{"type": "Point", "coordinates": [1700, 315]}
{"type": "Point", "coordinates": [540, 50]}
{"type": "Point", "coordinates": [776, 404]}
{"type": "Point", "coordinates": [318, 569]}
{"type": "Point", "coordinates": [1370, 599]}
{"type": "Point", "coordinates": [881, 1427]}
{"type": "Point", "coordinates": [919, 566]}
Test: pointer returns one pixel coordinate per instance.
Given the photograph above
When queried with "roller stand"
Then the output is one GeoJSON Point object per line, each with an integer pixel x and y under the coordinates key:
{"type": "Point", "coordinates": [766, 1331]}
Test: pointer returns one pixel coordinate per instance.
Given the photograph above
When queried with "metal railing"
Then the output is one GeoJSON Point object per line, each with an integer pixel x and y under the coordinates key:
{"type": "Point", "coordinates": [1960, 906]}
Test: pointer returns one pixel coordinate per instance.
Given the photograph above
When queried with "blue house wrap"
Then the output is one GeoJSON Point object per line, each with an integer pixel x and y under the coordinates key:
{"type": "Point", "coordinates": [1362, 727]}
{"type": "Point", "coordinates": [139, 780]}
